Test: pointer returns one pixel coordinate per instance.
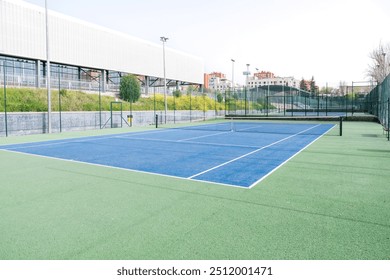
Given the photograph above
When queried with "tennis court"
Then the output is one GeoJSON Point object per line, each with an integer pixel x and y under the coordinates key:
{"type": "Point", "coordinates": [330, 201]}
{"type": "Point", "coordinates": [238, 154]}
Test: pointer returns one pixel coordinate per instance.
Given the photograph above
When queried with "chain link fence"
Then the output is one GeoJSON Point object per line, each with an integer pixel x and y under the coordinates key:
{"type": "Point", "coordinates": [378, 103]}
{"type": "Point", "coordinates": [286, 101]}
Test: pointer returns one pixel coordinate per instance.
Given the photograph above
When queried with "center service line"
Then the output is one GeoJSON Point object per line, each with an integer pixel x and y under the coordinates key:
{"type": "Point", "coordinates": [250, 153]}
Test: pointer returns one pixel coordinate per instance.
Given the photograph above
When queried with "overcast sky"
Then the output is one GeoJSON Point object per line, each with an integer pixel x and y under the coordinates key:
{"type": "Point", "coordinates": [329, 39]}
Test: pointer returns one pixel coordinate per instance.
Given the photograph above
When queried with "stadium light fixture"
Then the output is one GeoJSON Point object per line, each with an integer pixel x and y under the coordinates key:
{"type": "Point", "coordinates": [164, 40]}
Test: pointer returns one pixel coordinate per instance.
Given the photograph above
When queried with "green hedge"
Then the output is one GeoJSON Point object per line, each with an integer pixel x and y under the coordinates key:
{"type": "Point", "coordinates": [35, 100]}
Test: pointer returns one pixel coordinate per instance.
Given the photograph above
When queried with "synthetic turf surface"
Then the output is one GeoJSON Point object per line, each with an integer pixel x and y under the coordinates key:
{"type": "Point", "coordinates": [331, 201]}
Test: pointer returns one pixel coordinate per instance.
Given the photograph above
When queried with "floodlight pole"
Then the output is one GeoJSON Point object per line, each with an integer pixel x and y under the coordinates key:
{"type": "Point", "coordinates": [257, 89]}
{"type": "Point", "coordinates": [5, 100]}
{"type": "Point", "coordinates": [384, 66]}
{"type": "Point", "coordinates": [247, 73]}
{"type": "Point", "coordinates": [48, 72]}
{"type": "Point", "coordinates": [246, 86]}
{"type": "Point", "coordinates": [100, 104]}
{"type": "Point", "coordinates": [233, 74]}
{"type": "Point", "coordinates": [164, 40]}
{"type": "Point", "coordinates": [227, 109]}
{"type": "Point", "coordinates": [59, 95]}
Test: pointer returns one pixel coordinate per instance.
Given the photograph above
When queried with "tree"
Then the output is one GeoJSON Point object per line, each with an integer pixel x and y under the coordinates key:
{"type": "Point", "coordinates": [327, 90]}
{"type": "Point", "coordinates": [219, 97]}
{"type": "Point", "coordinates": [303, 85]}
{"type": "Point", "coordinates": [130, 89]}
{"type": "Point", "coordinates": [379, 68]}
{"type": "Point", "coordinates": [177, 93]}
{"type": "Point", "coordinates": [343, 88]}
{"type": "Point", "coordinates": [313, 86]}
{"type": "Point", "coordinates": [190, 89]}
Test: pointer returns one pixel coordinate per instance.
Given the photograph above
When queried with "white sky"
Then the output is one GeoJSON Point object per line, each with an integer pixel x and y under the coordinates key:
{"type": "Point", "coordinates": [327, 39]}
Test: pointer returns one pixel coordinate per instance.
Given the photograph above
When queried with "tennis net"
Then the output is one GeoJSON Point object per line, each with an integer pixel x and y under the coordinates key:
{"type": "Point", "coordinates": [331, 126]}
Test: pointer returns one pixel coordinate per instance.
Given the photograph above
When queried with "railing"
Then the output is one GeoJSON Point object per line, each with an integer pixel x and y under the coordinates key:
{"type": "Point", "coordinates": [32, 81]}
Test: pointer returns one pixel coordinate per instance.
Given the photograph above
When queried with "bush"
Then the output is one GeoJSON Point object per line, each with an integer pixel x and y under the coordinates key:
{"type": "Point", "coordinates": [35, 100]}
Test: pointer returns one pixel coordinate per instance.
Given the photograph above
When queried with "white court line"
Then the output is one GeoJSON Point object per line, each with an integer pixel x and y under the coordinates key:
{"type": "Point", "coordinates": [126, 135]}
{"type": "Point", "coordinates": [165, 140]}
{"type": "Point", "coordinates": [51, 143]}
{"type": "Point", "coordinates": [188, 142]}
{"type": "Point", "coordinates": [257, 126]}
{"type": "Point", "coordinates": [250, 153]}
{"type": "Point", "coordinates": [204, 136]}
{"type": "Point", "coordinates": [283, 163]}
{"type": "Point", "coordinates": [165, 175]}
{"type": "Point", "coordinates": [20, 146]}
{"type": "Point", "coordinates": [54, 142]}
{"type": "Point", "coordinates": [125, 169]}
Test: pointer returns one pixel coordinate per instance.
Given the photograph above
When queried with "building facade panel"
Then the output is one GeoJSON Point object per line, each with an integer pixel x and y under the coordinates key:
{"type": "Point", "coordinates": [78, 43]}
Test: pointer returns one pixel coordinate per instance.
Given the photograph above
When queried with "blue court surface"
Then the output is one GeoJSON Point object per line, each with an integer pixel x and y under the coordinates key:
{"type": "Point", "coordinates": [239, 156]}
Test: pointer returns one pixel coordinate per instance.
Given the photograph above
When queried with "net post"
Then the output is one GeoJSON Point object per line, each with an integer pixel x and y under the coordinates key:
{"type": "Point", "coordinates": [341, 126]}
{"type": "Point", "coordinates": [156, 120]}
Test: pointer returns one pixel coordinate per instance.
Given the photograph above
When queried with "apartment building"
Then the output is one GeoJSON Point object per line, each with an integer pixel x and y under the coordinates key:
{"type": "Point", "coordinates": [268, 78]}
{"type": "Point", "coordinates": [217, 81]}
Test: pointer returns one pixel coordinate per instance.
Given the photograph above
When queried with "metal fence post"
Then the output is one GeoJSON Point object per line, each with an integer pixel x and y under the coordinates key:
{"type": "Point", "coordinates": [388, 119]}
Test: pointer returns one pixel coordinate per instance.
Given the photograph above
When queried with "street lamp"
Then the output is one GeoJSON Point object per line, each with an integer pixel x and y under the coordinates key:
{"type": "Point", "coordinates": [164, 40]}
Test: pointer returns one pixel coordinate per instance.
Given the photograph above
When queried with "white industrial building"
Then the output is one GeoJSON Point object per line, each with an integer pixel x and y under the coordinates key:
{"type": "Point", "coordinates": [83, 55]}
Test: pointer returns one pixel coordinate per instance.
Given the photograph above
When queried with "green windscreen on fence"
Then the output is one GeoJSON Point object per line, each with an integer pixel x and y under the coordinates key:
{"type": "Point", "coordinates": [378, 103]}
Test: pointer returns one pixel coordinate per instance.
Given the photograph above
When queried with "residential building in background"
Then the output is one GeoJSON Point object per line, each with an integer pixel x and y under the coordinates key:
{"type": "Point", "coordinates": [217, 81]}
{"type": "Point", "coordinates": [264, 75]}
{"type": "Point", "coordinates": [265, 78]}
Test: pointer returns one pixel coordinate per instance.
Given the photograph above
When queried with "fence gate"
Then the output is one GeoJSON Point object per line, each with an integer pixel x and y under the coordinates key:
{"type": "Point", "coordinates": [116, 118]}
